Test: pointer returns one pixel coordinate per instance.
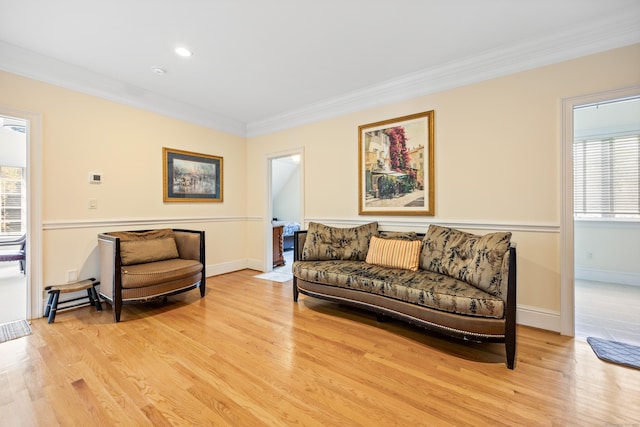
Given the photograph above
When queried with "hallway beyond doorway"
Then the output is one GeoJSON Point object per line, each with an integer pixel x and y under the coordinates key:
{"type": "Point", "coordinates": [12, 291]}
{"type": "Point", "coordinates": [607, 310]}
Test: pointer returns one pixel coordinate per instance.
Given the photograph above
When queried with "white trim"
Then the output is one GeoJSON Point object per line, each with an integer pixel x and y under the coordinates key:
{"type": "Point", "coordinates": [538, 318]}
{"type": "Point", "coordinates": [608, 276]}
{"type": "Point", "coordinates": [268, 228]}
{"type": "Point", "coordinates": [573, 43]}
{"type": "Point", "coordinates": [137, 222]}
{"type": "Point", "coordinates": [34, 208]}
{"type": "Point", "coordinates": [567, 288]}
{"type": "Point", "coordinates": [420, 224]}
{"type": "Point", "coordinates": [618, 31]}
{"type": "Point", "coordinates": [50, 70]}
{"type": "Point", "coordinates": [228, 267]}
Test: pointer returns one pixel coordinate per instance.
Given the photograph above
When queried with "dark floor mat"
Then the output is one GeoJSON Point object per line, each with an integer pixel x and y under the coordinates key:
{"type": "Point", "coordinates": [616, 352]}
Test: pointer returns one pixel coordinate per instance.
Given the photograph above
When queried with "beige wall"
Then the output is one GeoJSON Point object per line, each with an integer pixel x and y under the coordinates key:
{"type": "Point", "coordinates": [83, 134]}
{"type": "Point", "coordinates": [497, 150]}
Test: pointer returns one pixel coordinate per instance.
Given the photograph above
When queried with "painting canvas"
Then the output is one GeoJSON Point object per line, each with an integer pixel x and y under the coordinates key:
{"type": "Point", "coordinates": [191, 177]}
{"type": "Point", "coordinates": [396, 166]}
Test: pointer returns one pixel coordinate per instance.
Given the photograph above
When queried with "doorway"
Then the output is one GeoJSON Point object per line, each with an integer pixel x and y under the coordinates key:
{"type": "Point", "coordinates": [285, 196]}
{"type": "Point", "coordinates": [601, 216]}
{"type": "Point", "coordinates": [14, 295]}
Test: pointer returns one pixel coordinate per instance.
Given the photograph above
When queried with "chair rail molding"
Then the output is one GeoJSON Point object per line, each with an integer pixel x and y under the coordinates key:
{"type": "Point", "coordinates": [125, 222]}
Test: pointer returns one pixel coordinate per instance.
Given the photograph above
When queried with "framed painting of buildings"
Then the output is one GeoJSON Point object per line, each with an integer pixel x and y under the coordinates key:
{"type": "Point", "coordinates": [191, 177]}
{"type": "Point", "coordinates": [396, 166]}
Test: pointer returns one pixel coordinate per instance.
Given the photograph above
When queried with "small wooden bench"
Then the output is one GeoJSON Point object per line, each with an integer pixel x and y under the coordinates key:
{"type": "Point", "coordinates": [55, 291]}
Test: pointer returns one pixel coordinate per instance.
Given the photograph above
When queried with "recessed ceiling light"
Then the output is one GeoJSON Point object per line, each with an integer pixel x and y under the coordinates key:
{"type": "Point", "coordinates": [183, 51]}
{"type": "Point", "coordinates": [158, 70]}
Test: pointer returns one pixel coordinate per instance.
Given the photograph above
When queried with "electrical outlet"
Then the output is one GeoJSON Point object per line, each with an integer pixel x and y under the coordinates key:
{"type": "Point", "coordinates": [72, 275]}
{"type": "Point", "coordinates": [589, 255]}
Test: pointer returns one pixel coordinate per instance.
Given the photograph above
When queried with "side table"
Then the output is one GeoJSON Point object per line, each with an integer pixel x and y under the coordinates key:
{"type": "Point", "coordinates": [55, 291]}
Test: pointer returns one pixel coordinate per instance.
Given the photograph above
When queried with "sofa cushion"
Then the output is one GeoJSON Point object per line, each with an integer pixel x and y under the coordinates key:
{"type": "Point", "coordinates": [422, 287]}
{"type": "Point", "coordinates": [394, 253]}
{"type": "Point", "coordinates": [153, 273]}
{"type": "Point", "coordinates": [148, 246]}
{"type": "Point", "coordinates": [474, 259]}
{"type": "Point", "coordinates": [399, 235]}
{"type": "Point", "coordinates": [331, 243]}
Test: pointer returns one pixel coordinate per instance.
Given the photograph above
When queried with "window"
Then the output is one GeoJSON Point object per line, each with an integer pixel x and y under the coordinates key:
{"type": "Point", "coordinates": [607, 177]}
{"type": "Point", "coordinates": [12, 215]}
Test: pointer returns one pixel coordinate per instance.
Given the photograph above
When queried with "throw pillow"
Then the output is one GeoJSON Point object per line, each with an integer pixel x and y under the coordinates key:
{"type": "Point", "coordinates": [147, 246]}
{"type": "Point", "coordinates": [324, 243]}
{"type": "Point", "coordinates": [474, 259]}
{"type": "Point", "coordinates": [404, 254]}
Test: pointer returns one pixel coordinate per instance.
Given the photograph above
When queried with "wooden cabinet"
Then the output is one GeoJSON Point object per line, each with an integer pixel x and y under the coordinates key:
{"type": "Point", "coordinates": [278, 255]}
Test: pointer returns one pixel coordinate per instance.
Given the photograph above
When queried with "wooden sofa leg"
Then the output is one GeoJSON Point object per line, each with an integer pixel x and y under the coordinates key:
{"type": "Point", "coordinates": [510, 348]}
{"type": "Point", "coordinates": [117, 309]}
{"type": "Point", "coordinates": [295, 290]}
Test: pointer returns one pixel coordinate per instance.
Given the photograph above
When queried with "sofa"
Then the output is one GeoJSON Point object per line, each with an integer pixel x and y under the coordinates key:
{"type": "Point", "coordinates": [448, 281]}
{"type": "Point", "coordinates": [144, 265]}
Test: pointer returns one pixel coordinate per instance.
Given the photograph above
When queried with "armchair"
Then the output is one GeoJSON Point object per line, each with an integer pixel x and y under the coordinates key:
{"type": "Point", "coordinates": [139, 266]}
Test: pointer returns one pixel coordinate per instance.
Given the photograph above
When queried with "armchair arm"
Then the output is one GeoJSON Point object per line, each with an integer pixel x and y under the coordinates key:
{"type": "Point", "coordinates": [110, 265]}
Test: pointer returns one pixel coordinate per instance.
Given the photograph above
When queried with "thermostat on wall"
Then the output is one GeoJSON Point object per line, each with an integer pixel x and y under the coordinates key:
{"type": "Point", "coordinates": [95, 178]}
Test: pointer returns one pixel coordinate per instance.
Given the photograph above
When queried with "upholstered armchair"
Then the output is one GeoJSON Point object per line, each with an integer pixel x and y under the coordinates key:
{"type": "Point", "coordinates": [139, 266]}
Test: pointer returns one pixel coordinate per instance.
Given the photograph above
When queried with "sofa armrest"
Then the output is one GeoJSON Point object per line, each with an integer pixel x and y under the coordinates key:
{"type": "Point", "coordinates": [299, 237]}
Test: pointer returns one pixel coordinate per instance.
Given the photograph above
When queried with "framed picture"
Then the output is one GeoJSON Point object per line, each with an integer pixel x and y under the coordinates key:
{"type": "Point", "coordinates": [396, 166]}
{"type": "Point", "coordinates": [191, 177]}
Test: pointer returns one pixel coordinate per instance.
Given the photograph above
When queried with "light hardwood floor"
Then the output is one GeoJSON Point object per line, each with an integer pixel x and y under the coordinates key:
{"type": "Point", "coordinates": [246, 355]}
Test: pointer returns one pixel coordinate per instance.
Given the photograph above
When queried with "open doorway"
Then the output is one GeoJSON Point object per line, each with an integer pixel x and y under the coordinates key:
{"type": "Point", "coordinates": [286, 207]}
{"type": "Point", "coordinates": [14, 297]}
{"type": "Point", "coordinates": [605, 164]}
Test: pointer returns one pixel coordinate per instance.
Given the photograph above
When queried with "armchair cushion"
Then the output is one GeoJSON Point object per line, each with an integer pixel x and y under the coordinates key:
{"type": "Point", "coordinates": [148, 274]}
{"type": "Point", "coordinates": [149, 246]}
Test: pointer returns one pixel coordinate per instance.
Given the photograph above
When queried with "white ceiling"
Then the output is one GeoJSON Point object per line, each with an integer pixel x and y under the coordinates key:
{"type": "Point", "coordinates": [263, 65]}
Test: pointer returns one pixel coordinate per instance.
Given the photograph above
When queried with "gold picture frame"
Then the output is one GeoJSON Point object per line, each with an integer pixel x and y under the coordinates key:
{"type": "Point", "coordinates": [191, 177]}
{"type": "Point", "coordinates": [396, 166]}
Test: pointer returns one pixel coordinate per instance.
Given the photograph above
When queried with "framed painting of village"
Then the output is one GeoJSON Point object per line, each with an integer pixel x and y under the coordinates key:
{"type": "Point", "coordinates": [191, 177]}
{"type": "Point", "coordinates": [396, 166]}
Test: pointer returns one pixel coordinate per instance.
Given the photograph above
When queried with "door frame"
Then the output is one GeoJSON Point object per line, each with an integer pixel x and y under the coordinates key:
{"type": "Point", "coordinates": [268, 228]}
{"type": "Point", "coordinates": [567, 263]}
{"type": "Point", "coordinates": [33, 178]}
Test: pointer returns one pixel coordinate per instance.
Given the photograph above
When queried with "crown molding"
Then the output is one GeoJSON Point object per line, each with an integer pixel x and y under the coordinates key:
{"type": "Point", "coordinates": [571, 43]}
{"type": "Point", "coordinates": [29, 64]}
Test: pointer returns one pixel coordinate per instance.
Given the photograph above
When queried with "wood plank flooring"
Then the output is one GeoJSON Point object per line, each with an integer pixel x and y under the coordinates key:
{"type": "Point", "coordinates": [246, 355]}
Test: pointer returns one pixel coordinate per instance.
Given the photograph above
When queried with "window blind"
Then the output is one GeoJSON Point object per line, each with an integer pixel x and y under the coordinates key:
{"type": "Point", "coordinates": [607, 177]}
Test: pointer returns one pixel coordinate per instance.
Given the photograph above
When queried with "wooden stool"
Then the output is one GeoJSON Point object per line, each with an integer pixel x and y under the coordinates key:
{"type": "Point", "coordinates": [56, 290]}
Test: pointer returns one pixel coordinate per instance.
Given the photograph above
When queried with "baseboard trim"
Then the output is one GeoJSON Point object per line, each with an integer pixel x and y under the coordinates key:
{"type": "Point", "coordinates": [538, 318]}
{"type": "Point", "coordinates": [608, 276]}
{"type": "Point", "coordinates": [230, 267]}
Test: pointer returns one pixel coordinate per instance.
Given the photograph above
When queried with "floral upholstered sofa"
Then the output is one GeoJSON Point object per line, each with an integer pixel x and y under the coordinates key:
{"type": "Point", "coordinates": [447, 280]}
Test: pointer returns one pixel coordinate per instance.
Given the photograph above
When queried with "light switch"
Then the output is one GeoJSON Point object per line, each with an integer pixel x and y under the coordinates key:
{"type": "Point", "coordinates": [93, 203]}
{"type": "Point", "coordinates": [95, 178]}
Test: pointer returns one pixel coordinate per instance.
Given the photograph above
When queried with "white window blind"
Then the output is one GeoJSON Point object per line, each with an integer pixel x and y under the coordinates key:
{"type": "Point", "coordinates": [607, 177]}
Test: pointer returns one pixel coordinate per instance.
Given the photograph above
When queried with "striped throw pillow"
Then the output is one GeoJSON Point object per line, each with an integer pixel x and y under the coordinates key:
{"type": "Point", "coordinates": [404, 254]}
